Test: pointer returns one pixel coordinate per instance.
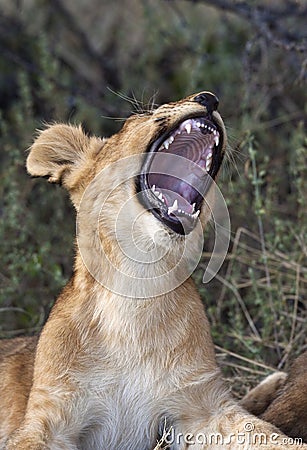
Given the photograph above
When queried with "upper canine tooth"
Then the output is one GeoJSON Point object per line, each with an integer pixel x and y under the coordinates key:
{"type": "Point", "coordinates": [193, 207]}
{"type": "Point", "coordinates": [168, 142]}
{"type": "Point", "coordinates": [216, 140]}
{"type": "Point", "coordinates": [195, 215]}
{"type": "Point", "coordinates": [188, 127]}
{"type": "Point", "coordinates": [153, 188]}
{"type": "Point", "coordinates": [160, 196]}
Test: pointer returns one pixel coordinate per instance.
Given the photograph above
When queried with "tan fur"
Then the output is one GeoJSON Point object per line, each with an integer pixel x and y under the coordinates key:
{"type": "Point", "coordinates": [112, 371]}
{"type": "Point", "coordinates": [282, 399]}
{"type": "Point", "coordinates": [260, 397]}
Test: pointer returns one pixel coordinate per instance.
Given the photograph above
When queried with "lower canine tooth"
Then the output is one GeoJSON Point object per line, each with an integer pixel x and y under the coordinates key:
{"type": "Point", "coordinates": [195, 215]}
{"type": "Point", "coordinates": [173, 208]}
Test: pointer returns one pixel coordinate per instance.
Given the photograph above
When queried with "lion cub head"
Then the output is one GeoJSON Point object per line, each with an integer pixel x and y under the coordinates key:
{"type": "Point", "coordinates": [145, 185]}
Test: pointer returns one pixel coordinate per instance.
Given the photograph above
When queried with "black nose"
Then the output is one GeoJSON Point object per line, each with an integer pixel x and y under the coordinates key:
{"type": "Point", "coordinates": [210, 101]}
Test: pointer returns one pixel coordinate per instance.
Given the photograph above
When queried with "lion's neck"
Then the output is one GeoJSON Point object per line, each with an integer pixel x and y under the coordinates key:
{"type": "Point", "coordinates": [136, 268]}
{"type": "Point", "coordinates": [170, 318]}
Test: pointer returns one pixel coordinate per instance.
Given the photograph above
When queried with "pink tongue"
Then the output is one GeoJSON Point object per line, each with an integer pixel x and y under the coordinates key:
{"type": "Point", "coordinates": [170, 197]}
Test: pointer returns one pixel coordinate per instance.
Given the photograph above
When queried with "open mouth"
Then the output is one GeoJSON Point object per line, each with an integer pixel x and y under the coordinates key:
{"type": "Point", "coordinates": [178, 172]}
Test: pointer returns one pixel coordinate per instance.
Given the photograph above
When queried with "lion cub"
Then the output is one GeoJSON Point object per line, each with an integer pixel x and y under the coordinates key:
{"type": "Point", "coordinates": [126, 354]}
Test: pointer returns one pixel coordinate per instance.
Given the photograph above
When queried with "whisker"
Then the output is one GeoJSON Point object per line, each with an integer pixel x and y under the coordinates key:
{"type": "Point", "coordinates": [139, 106]}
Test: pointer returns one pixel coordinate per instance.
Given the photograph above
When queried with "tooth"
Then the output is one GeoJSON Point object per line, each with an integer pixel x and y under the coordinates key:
{"type": "Point", "coordinates": [160, 196]}
{"type": "Point", "coordinates": [193, 207]}
{"type": "Point", "coordinates": [198, 124]}
{"type": "Point", "coordinates": [172, 208]}
{"type": "Point", "coordinates": [171, 139]}
{"type": "Point", "coordinates": [153, 188]}
{"type": "Point", "coordinates": [188, 127]}
{"type": "Point", "coordinates": [216, 140]}
{"type": "Point", "coordinates": [214, 132]}
{"type": "Point", "coordinates": [166, 145]}
{"type": "Point", "coordinates": [208, 161]}
{"type": "Point", "coordinates": [195, 215]}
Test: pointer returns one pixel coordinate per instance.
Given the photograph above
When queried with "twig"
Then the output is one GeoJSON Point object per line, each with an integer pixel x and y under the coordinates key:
{"type": "Point", "coordinates": [243, 358]}
{"type": "Point", "coordinates": [294, 320]}
{"type": "Point", "coordinates": [242, 304]}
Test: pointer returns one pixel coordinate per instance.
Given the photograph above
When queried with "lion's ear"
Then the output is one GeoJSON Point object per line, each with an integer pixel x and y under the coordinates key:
{"type": "Point", "coordinates": [57, 152]}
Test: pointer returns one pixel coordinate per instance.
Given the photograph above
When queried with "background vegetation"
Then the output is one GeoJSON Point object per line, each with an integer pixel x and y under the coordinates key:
{"type": "Point", "coordinates": [87, 61]}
